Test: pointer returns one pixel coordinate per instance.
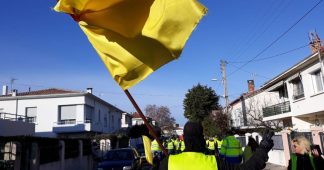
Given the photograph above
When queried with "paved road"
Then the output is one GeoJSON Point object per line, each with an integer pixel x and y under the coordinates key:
{"type": "Point", "coordinates": [274, 167]}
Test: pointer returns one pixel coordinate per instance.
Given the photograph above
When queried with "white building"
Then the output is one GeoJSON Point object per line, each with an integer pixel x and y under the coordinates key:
{"type": "Point", "coordinates": [137, 120]}
{"type": "Point", "coordinates": [57, 111]}
{"type": "Point", "coordinates": [247, 110]}
{"type": "Point", "coordinates": [126, 120]}
{"type": "Point", "coordinates": [301, 94]}
{"type": "Point", "coordinates": [294, 97]}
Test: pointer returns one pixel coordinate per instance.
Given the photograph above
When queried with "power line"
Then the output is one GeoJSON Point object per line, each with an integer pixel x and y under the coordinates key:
{"type": "Point", "coordinates": [277, 39]}
{"type": "Point", "coordinates": [277, 55]}
{"type": "Point", "coordinates": [267, 27]}
{"type": "Point", "coordinates": [258, 75]}
{"type": "Point", "coordinates": [254, 27]}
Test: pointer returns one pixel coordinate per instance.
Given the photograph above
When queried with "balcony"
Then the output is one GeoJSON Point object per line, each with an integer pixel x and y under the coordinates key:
{"type": "Point", "coordinates": [71, 125]}
{"type": "Point", "coordinates": [14, 117]}
{"type": "Point", "coordinates": [276, 109]}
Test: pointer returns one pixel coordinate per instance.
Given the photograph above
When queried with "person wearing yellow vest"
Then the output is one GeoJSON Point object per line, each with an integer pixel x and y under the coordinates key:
{"type": "Point", "coordinates": [231, 150]}
{"type": "Point", "coordinates": [182, 146]}
{"type": "Point", "coordinates": [155, 148]}
{"type": "Point", "coordinates": [176, 144]}
{"type": "Point", "coordinates": [170, 146]}
{"type": "Point", "coordinates": [193, 157]}
{"type": "Point", "coordinates": [218, 143]}
{"type": "Point", "coordinates": [302, 156]}
{"type": "Point", "coordinates": [210, 146]}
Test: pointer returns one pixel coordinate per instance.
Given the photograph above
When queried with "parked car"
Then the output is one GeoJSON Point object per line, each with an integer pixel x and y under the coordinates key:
{"type": "Point", "coordinates": [121, 159]}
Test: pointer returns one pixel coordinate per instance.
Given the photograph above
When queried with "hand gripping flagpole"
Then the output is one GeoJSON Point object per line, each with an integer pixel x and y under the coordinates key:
{"type": "Point", "coordinates": [152, 132]}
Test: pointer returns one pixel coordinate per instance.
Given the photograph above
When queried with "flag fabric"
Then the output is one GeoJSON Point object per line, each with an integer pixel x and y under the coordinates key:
{"type": "Point", "coordinates": [147, 149]}
{"type": "Point", "coordinates": [135, 37]}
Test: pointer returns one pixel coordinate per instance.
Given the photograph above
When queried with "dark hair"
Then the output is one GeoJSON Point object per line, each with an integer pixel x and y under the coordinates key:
{"type": "Point", "coordinates": [193, 137]}
{"type": "Point", "coordinates": [253, 144]}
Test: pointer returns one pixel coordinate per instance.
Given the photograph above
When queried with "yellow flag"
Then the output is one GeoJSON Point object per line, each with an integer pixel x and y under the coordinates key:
{"type": "Point", "coordinates": [135, 37]}
{"type": "Point", "coordinates": [147, 148]}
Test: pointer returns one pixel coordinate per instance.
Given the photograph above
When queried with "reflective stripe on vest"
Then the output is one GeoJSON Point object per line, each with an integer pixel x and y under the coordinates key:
{"type": "Point", "coordinates": [155, 146]}
{"type": "Point", "coordinates": [231, 147]}
{"type": "Point", "coordinates": [170, 145]}
{"type": "Point", "coordinates": [294, 161]}
{"type": "Point", "coordinates": [192, 161]}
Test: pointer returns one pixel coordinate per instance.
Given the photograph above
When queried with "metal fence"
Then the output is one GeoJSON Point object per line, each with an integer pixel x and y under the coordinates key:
{"type": "Point", "coordinates": [322, 141]}
{"type": "Point", "coordinates": [242, 140]}
{"type": "Point", "coordinates": [277, 142]}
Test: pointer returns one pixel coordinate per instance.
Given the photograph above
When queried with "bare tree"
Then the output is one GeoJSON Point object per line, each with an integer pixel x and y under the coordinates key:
{"type": "Point", "coordinates": [162, 115]}
{"type": "Point", "coordinates": [254, 114]}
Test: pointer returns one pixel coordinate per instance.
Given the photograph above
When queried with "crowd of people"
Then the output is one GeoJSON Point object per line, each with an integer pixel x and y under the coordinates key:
{"type": "Point", "coordinates": [194, 151]}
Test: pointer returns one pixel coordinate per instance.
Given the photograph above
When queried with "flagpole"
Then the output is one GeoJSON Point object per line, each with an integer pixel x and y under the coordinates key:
{"type": "Point", "coordinates": [152, 132]}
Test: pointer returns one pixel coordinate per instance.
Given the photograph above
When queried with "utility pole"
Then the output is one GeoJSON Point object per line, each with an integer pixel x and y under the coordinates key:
{"type": "Point", "coordinates": [224, 81]}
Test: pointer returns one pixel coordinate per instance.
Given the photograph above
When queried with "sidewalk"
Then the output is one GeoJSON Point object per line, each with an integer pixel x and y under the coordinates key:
{"type": "Point", "coordinates": [270, 166]}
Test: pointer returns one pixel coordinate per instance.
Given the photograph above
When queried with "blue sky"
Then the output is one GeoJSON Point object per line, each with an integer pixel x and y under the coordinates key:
{"type": "Point", "coordinates": [43, 49]}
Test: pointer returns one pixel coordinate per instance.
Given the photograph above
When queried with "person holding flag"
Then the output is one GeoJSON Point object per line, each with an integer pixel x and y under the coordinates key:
{"type": "Point", "coordinates": [135, 38]}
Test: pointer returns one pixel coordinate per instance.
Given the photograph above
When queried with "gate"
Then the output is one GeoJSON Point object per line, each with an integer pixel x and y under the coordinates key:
{"type": "Point", "coordinates": [322, 140]}
{"type": "Point", "coordinates": [7, 155]}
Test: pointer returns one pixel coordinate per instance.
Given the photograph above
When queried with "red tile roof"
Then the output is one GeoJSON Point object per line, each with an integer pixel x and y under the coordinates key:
{"type": "Point", "coordinates": [135, 115]}
{"type": "Point", "coordinates": [43, 92]}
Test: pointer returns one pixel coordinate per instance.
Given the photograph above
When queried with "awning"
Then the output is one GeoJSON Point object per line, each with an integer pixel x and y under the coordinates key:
{"type": "Point", "coordinates": [276, 86]}
{"type": "Point", "coordinates": [293, 77]}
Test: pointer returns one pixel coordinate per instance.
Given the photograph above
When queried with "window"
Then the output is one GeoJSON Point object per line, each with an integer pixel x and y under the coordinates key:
{"type": "Point", "coordinates": [67, 114]}
{"type": "Point", "coordinates": [88, 113]}
{"type": "Point", "coordinates": [298, 89]}
{"type": "Point", "coordinates": [105, 121]}
{"type": "Point", "coordinates": [112, 121]}
{"type": "Point", "coordinates": [317, 81]}
{"type": "Point", "coordinates": [31, 113]}
{"type": "Point", "coordinates": [99, 115]}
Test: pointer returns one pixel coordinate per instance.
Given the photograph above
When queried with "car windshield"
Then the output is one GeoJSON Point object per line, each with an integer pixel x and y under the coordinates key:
{"type": "Point", "coordinates": [120, 155]}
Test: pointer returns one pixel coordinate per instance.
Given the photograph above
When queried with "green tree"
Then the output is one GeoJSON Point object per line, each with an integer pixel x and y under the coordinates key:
{"type": "Point", "coordinates": [199, 103]}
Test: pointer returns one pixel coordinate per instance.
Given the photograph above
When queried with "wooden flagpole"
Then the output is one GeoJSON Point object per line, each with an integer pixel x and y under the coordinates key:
{"type": "Point", "coordinates": [152, 132]}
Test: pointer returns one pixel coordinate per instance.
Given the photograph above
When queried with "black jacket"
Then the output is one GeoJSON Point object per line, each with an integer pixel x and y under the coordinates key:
{"type": "Point", "coordinates": [304, 163]}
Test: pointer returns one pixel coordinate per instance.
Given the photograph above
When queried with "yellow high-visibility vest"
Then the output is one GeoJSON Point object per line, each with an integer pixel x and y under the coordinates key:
{"type": "Point", "coordinates": [211, 145]}
{"type": "Point", "coordinates": [192, 161]}
{"type": "Point", "coordinates": [155, 146]}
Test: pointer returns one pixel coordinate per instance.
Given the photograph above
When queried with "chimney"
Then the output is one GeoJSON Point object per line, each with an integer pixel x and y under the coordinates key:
{"type": "Point", "coordinates": [315, 43]}
{"type": "Point", "coordinates": [89, 90]}
{"type": "Point", "coordinates": [4, 90]}
{"type": "Point", "coordinates": [251, 85]}
{"type": "Point", "coordinates": [14, 92]}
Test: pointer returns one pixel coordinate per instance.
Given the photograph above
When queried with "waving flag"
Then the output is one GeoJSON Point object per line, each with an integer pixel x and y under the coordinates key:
{"type": "Point", "coordinates": [135, 37]}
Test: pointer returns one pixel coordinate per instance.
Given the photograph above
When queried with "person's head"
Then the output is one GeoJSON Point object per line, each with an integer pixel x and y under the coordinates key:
{"type": "Point", "coordinates": [231, 132]}
{"type": "Point", "coordinates": [193, 137]}
{"type": "Point", "coordinates": [300, 145]}
{"type": "Point", "coordinates": [253, 144]}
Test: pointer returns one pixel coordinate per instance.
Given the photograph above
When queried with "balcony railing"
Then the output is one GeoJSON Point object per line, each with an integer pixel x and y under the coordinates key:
{"type": "Point", "coordinates": [66, 121]}
{"type": "Point", "coordinates": [276, 109]}
{"type": "Point", "coordinates": [14, 117]}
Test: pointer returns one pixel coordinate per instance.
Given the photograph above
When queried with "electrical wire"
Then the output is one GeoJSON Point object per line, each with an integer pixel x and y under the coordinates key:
{"type": "Point", "coordinates": [273, 56]}
{"type": "Point", "coordinates": [277, 39]}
